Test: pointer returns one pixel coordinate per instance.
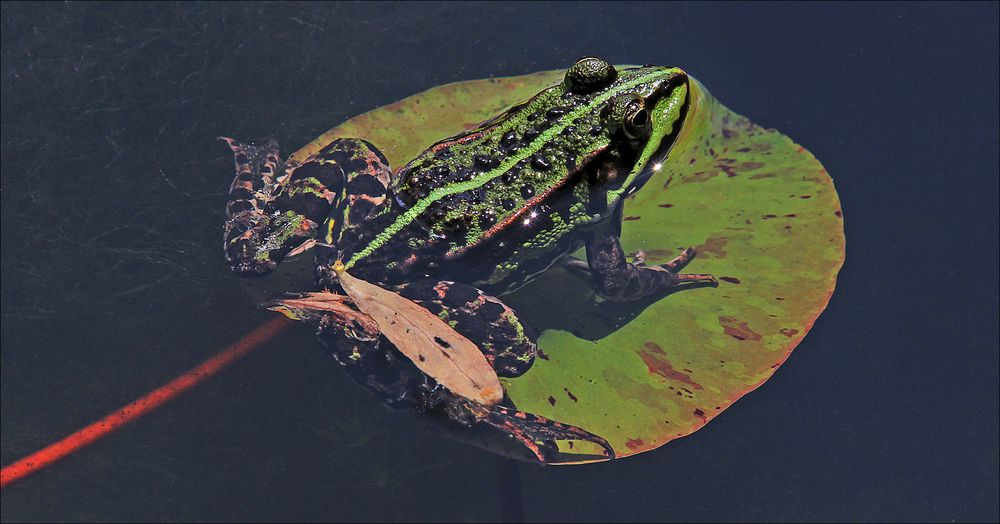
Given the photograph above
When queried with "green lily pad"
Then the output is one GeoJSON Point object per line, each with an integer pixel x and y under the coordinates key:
{"type": "Point", "coordinates": [760, 210]}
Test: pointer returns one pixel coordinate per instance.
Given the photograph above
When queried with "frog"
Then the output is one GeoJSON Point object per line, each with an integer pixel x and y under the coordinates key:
{"type": "Point", "coordinates": [470, 219]}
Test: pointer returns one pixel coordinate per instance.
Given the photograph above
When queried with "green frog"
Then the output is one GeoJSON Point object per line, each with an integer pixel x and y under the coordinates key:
{"type": "Point", "coordinates": [472, 217]}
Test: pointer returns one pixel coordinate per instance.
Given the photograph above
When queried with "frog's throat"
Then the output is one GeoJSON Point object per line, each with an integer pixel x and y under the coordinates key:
{"type": "Point", "coordinates": [421, 205]}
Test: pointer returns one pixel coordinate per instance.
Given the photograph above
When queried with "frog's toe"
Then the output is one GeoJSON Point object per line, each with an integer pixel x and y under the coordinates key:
{"type": "Point", "coordinates": [680, 261]}
{"type": "Point", "coordinates": [687, 280]}
{"type": "Point", "coordinates": [538, 433]}
{"type": "Point", "coordinates": [639, 258]}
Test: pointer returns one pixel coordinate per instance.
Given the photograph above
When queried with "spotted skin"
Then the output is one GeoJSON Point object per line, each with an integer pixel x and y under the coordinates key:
{"type": "Point", "coordinates": [248, 223]}
{"type": "Point", "coordinates": [275, 210]}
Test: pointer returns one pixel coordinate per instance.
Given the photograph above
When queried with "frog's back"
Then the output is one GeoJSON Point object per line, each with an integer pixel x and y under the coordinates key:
{"type": "Point", "coordinates": [511, 196]}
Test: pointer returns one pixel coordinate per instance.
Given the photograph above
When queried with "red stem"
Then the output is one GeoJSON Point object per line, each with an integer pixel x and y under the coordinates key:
{"type": "Point", "coordinates": [156, 398]}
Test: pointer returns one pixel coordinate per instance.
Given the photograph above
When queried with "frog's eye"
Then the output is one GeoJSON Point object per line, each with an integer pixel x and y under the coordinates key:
{"type": "Point", "coordinates": [589, 74]}
{"type": "Point", "coordinates": [628, 113]}
{"type": "Point", "coordinates": [638, 124]}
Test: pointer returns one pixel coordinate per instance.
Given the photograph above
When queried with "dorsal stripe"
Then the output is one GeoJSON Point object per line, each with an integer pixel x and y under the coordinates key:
{"type": "Point", "coordinates": [421, 205]}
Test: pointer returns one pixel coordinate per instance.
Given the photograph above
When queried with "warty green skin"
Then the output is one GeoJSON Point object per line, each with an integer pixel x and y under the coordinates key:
{"type": "Point", "coordinates": [499, 204]}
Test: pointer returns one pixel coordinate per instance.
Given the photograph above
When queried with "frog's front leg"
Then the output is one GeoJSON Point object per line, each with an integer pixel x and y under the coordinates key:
{"type": "Point", "coordinates": [275, 208]}
{"type": "Point", "coordinates": [615, 278]}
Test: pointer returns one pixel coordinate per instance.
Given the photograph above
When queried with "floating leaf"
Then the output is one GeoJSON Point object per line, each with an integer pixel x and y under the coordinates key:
{"type": "Point", "coordinates": [760, 210]}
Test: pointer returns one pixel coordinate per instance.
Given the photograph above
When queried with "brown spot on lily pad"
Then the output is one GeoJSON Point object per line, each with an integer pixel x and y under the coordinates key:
{"type": "Point", "coordinates": [731, 280]}
{"type": "Point", "coordinates": [667, 206]}
{"type": "Point", "coordinates": [699, 413]}
{"type": "Point", "coordinates": [570, 395]}
{"type": "Point", "coordinates": [552, 400]}
{"type": "Point", "coordinates": [713, 246]}
{"type": "Point", "coordinates": [631, 218]}
{"type": "Point", "coordinates": [788, 332]}
{"type": "Point", "coordinates": [738, 330]}
{"type": "Point", "coordinates": [656, 362]}
{"type": "Point", "coordinates": [729, 170]}
{"type": "Point", "coordinates": [752, 165]}
{"type": "Point", "coordinates": [699, 176]}
{"type": "Point", "coordinates": [633, 443]}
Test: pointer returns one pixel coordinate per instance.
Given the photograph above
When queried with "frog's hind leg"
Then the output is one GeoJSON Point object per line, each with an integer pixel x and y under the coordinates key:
{"type": "Point", "coordinates": [354, 340]}
{"type": "Point", "coordinates": [365, 176]}
{"type": "Point", "coordinates": [356, 343]}
{"type": "Point", "coordinates": [539, 434]}
{"type": "Point", "coordinates": [506, 342]}
{"type": "Point", "coordinates": [615, 278]}
{"type": "Point", "coordinates": [509, 346]}
{"type": "Point", "coordinates": [275, 210]}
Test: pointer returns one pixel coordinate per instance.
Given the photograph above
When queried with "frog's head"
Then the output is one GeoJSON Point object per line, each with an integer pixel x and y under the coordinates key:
{"type": "Point", "coordinates": [640, 110]}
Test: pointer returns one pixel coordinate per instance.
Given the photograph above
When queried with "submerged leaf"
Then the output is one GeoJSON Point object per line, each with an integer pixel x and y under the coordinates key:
{"type": "Point", "coordinates": [433, 346]}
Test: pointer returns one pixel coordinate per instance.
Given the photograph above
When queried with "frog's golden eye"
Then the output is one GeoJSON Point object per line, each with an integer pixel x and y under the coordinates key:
{"type": "Point", "coordinates": [589, 74]}
{"type": "Point", "coordinates": [638, 124]}
{"type": "Point", "coordinates": [628, 113]}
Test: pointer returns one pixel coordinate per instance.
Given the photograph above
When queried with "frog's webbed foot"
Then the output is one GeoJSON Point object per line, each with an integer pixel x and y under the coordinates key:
{"type": "Point", "coordinates": [247, 214]}
{"type": "Point", "coordinates": [539, 433]}
{"type": "Point", "coordinates": [615, 278]}
{"type": "Point", "coordinates": [689, 279]}
{"type": "Point", "coordinates": [275, 208]}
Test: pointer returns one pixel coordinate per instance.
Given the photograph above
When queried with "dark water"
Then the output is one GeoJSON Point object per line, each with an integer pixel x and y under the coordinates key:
{"type": "Point", "coordinates": [112, 197]}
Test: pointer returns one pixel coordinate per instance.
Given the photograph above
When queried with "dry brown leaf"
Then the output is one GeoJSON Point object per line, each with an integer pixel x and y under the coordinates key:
{"type": "Point", "coordinates": [302, 306]}
{"type": "Point", "coordinates": [433, 346]}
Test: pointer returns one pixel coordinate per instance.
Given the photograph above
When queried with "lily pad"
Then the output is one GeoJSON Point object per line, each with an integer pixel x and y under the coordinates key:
{"type": "Point", "coordinates": [764, 217]}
